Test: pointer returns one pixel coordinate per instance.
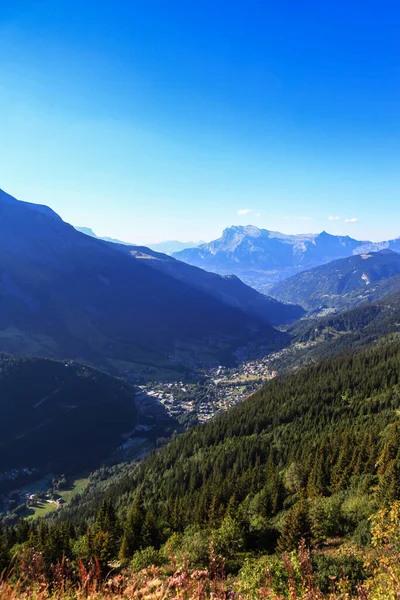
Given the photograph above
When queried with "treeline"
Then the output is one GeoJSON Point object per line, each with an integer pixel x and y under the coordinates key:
{"type": "Point", "coordinates": [310, 456]}
{"type": "Point", "coordinates": [346, 331]}
{"type": "Point", "coordinates": [330, 429]}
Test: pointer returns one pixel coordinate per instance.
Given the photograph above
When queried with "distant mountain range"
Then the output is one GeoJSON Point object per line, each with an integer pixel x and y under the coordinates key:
{"type": "Point", "coordinates": [68, 295]}
{"type": "Point", "coordinates": [343, 283]}
{"type": "Point", "coordinates": [167, 247]}
{"type": "Point", "coordinates": [261, 257]}
{"type": "Point", "coordinates": [91, 233]}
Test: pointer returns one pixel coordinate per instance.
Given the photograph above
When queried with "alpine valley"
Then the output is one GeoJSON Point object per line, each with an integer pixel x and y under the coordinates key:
{"type": "Point", "coordinates": [199, 300]}
{"type": "Point", "coordinates": [64, 294]}
{"type": "Point", "coordinates": [169, 431]}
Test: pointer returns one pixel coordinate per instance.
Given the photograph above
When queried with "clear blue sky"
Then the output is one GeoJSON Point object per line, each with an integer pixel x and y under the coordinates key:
{"type": "Point", "coordinates": [151, 120]}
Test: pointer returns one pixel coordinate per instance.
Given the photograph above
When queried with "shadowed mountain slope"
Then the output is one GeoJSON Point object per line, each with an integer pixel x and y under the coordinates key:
{"type": "Point", "coordinates": [61, 416]}
{"type": "Point", "coordinates": [64, 294]}
{"type": "Point", "coordinates": [228, 288]}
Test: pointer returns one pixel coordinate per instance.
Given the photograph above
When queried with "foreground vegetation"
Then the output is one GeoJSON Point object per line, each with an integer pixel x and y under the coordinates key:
{"type": "Point", "coordinates": [297, 488]}
{"type": "Point", "coordinates": [342, 574]}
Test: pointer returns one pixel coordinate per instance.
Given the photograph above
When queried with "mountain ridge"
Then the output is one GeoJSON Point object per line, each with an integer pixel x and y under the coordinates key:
{"type": "Point", "coordinates": [342, 283]}
{"type": "Point", "coordinates": [261, 257]}
{"type": "Point", "coordinates": [166, 247]}
{"type": "Point", "coordinates": [59, 415]}
{"type": "Point", "coordinates": [64, 294]}
{"type": "Point", "coordinates": [228, 288]}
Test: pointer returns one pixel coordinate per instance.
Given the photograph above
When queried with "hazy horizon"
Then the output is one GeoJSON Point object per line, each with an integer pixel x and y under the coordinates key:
{"type": "Point", "coordinates": [201, 241]}
{"type": "Point", "coordinates": [148, 241]}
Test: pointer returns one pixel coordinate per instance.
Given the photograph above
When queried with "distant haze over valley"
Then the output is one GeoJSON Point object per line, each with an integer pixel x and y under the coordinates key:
{"type": "Point", "coordinates": [64, 294]}
{"type": "Point", "coordinates": [167, 247]}
{"type": "Point", "coordinates": [261, 257]}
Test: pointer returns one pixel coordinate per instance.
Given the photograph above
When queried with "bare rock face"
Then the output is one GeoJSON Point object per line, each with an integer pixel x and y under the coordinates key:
{"type": "Point", "coordinates": [261, 257]}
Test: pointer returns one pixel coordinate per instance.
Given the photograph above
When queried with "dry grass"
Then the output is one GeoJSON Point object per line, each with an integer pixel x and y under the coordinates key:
{"type": "Point", "coordinates": [32, 580]}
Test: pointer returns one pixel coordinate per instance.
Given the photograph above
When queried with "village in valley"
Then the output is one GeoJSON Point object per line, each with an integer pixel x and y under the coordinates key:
{"type": "Point", "coordinates": [216, 388]}
{"type": "Point", "coordinates": [213, 390]}
{"type": "Point", "coordinates": [162, 406]}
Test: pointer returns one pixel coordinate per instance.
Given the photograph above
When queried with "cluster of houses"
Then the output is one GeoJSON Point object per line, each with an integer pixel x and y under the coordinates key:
{"type": "Point", "coordinates": [18, 499]}
{"type": "Point", "coordinates": [33, 500]}
{"type": "Point", "coordinates": [14, 474]}
{"type": "Point", "coordinates": [217, 388]}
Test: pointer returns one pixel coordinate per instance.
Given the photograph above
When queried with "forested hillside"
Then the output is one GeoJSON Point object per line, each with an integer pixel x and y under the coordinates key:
{"type": "Point", "coordinates": [343, 283]}
{"type": "Point", "coordinates": [330, 431]}
{"type": "Point", "coordinates": [318, 338]}
{"type": "Point", "coordinates": [312, 456]}
{"type": "Point", "coordinates": [57, 415]}
{"type": "Point", "coordinates": [321, 442]}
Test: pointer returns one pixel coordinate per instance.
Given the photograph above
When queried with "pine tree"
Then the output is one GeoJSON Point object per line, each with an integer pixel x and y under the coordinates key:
{"type": "Point", "coordinates": [4, 552]}
{"type": "Point", "coordinates": [124, 552]}
{"type": "Point", "coordinates": [389, 483]}
{"type": "Point", "coordinates": [341, 471]}
{"type": "Point", "coordinates": [133, 530]}
{"type": "Point", "coordinates": [213, 513]}
{"type": "Point", "coordinates": [318, 480]}
{"type": "Point", "coordinates": [107, 523]}
{"type": "Point", "coordinates": [295, 527]}
{"type": "Point", "coordinates": [390, 449]}
{"type": "Point", "coordinates": [149, 531]}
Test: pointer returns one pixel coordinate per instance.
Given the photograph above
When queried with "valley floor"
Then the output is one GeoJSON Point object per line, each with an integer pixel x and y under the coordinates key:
{"type": "Point", "coordinates": [211, 390]}
{"type": "Point", "coordinates": [186, 403]}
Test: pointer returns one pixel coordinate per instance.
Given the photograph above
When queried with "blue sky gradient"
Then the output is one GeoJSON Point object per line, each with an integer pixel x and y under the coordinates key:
{"type": "Point", "coordinates": [151, 120]}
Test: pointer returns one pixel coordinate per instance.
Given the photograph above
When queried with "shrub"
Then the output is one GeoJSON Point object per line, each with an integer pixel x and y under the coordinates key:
{"type": "Point", "coordinates": [146, 558]}
{"type": "Point", "coordinates": [329, 570]}
{"type": "Point", "coordinates": [230, 537]}
{"type": "Point", "coordinates": [264, 572]}
{"type": "Point", "coordinates": [356, 509]}
{"type": "Point", "coordinates": [362, 534]}
{"type": "Point", "coordinates": [326, 517]}
{"type": "Point", "coordinates": [193, 547]}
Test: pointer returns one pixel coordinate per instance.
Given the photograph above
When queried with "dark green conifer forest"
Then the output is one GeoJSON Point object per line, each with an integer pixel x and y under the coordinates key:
{"type": "Point", "coordinates": [310, 456]}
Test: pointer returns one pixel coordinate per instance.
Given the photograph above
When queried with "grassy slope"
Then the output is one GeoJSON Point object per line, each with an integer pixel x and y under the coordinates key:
{"type": "Point", "coordinates": [78, 486]}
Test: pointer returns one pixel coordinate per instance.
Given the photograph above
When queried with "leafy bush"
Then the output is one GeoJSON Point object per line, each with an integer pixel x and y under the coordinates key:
{"type": "Point", "coordinates": [356, 509]}
{"type": "Point", "coordinates": [326, 517]}
{"type": "Point", "coordinates": [146, 558]}
{"type": "Point", "coordinates": [254, 575]}
{"type": "Point", "coordinates": [230, 537]}
{"type": "Point", "coordinates": [268, 572]}
{"type": "Point", "coordinates": [329, 570]}
{"type": "Point", "coordinates": [385, 526]}
{"type": "Point", "coordinates": [193, 547]}
{"type": "Point", "coordinates": [362, 534]}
